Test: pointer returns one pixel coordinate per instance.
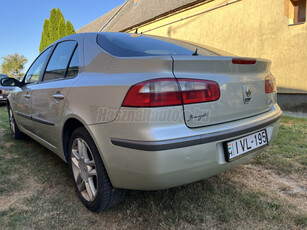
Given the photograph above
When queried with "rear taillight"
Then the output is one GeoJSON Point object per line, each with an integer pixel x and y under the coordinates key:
{"type": "Point", "coordinates": [153, 93]}
{"type": "Point", "coordinates": [244, 61]}
{"type": "Point", "coordinates": [270, 84]}
{"type": "Point", "coordinates": [197, 91]}
{"type": "Point", "coordinates": [167, 92]}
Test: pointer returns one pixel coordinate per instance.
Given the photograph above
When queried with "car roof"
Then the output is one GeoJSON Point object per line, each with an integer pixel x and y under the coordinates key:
{"type": "Point", "coordinates": [82, 35]}
{"type": "Point", "coordinates": [75, 36]}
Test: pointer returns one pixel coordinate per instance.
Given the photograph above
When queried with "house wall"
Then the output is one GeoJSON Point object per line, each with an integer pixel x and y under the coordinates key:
{"type": "Point", "coordinates": [250, 28]}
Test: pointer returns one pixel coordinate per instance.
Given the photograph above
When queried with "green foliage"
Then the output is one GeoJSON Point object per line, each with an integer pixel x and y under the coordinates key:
{"type": "Point", "coordinates": [45, 36]}
{"type": "Point", "coordinates": [53, 25]}
{"type": "Point", "coordinates": [69, 28]}
{"type": "Point", "coordinates": [13, 65]}
{"type": "Point", "coordinates": [287, 153]}
{"type": "Point", "coordinates": [55, 28]}
{"type": "Point", "coordinates": [62, 28]}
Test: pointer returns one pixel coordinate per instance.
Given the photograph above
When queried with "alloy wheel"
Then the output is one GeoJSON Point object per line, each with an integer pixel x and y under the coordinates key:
{"type": "Point", "coordinates": [84, 169]}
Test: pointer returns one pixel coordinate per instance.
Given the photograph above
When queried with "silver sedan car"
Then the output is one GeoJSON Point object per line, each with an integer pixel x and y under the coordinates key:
{"type": "Point", "coordinates": [132, 111]}
{"type": "Point", "coordinates": [4, 90]}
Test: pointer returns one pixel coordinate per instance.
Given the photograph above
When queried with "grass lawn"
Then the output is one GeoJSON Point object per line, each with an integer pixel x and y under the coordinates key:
{"type": "Point", "coordinates": [36, 192]}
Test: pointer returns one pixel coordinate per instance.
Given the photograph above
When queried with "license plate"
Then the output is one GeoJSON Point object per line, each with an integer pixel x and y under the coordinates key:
{"type": "Point", "coordinates": [1, 97]}
{"type": "Point", "coordinates": [246, 144]}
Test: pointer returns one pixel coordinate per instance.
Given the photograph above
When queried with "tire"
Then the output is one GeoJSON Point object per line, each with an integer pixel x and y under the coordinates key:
{"type": "Point", "coordinates": [89, 175]}
{"type": "Point", "coordinates": [15, 131]}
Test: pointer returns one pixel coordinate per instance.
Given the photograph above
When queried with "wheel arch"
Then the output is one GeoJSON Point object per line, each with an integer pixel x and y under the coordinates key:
{"type": "Point", "coordinates": [70, 125]}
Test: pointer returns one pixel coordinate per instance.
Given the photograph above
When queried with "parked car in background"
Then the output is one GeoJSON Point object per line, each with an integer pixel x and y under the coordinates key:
{"type": "Point", "coordinates": [4, 90]}
{"type": "Point", "coordinates": [19, 78]}
{"type": "Point", "coordinates": [131, 111]}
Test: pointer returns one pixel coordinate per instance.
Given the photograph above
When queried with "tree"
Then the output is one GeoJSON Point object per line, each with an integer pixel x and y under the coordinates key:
{"type": "Point", "coordinates": [62, 28]}
{"type": "Point", "coordinates": [53, 25]}
{"type": "Point", "coordinates": [45, 36]}
{"type": "Point", "coordinates": [55, 28]}
{"type": "Point", "coordinates": [69, 28]}
{"type": "Point", "coordinates": [13, 65]}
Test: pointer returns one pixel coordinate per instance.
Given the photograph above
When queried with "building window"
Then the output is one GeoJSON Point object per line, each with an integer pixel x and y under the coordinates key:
{"type": "Point", "coordinates": [298, 8]}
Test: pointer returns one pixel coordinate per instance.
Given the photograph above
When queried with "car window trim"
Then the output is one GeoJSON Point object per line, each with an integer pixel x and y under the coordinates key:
{"type": "Point", "coordinates": [58, 79]}
{"type": "Point", "coordinates": [73, 53]}
{"type": "Point", "coordinates": [41, 79]}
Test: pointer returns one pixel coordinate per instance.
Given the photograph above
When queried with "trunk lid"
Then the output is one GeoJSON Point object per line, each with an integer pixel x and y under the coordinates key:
{"type": "Point", "coordinates": [236, 82]}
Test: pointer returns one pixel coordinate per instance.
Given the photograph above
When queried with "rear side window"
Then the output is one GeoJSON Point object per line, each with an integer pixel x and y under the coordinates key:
{"type": "Point", "coordinates": [73, 68]}
{"type": "Point", "coordinates": [59, 60]}
{"type": "Point", "coordinates": [33, 73]}
{"type": "Point", "coordinates": [135, 45]}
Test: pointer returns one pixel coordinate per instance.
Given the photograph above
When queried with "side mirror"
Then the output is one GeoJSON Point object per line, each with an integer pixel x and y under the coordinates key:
{"type": "Point", "coordinates": [10, 82]}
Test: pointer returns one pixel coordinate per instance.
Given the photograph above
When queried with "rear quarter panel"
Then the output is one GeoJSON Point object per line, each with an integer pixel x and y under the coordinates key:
{"type": "Point", "coordinates": [97, 95]}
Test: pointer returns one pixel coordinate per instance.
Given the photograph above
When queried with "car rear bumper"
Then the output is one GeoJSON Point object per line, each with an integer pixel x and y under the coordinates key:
{"type": "Point", "coordinates": [195, 140]}
{"type": "Point", "coordinates": [151, 164]}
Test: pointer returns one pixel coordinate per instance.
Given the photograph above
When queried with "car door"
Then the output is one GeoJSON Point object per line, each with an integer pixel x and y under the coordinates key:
{"type": "Point", "coordinates": [48, 96]}
{"type": "Point", "coordinates": [22, 98]}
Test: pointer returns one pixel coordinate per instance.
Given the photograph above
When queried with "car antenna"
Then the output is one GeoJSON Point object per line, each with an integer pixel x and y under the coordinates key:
{"type": "Point", "coordinates": [136, 31]}
{"type": "Point", "coordinates": [195, 53]}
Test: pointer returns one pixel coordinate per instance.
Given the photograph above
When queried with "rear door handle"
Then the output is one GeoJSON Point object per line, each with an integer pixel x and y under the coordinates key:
{"type": "Point", "coordinates": [58, 96]}
{"type": "Point", "coordinates": [27, 95]}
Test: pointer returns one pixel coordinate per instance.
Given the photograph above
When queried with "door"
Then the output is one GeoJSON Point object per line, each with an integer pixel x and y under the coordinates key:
{"type": "Point", "coordinates": [48, 96]}
{"type": "Point", "coordinates": [22, 100]}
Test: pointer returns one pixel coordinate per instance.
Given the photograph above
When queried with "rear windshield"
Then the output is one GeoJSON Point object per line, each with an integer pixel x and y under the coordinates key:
{"type": "Point", "coordinates": [136, 45]}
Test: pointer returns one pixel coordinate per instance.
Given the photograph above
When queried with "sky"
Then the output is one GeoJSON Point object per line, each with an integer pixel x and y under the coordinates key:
{"type": "Point", "coordinates": [21, 22]}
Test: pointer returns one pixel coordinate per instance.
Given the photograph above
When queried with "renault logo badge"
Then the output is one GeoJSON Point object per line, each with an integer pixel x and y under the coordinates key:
{"type": "Point", "coordinates": [247, 94]}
